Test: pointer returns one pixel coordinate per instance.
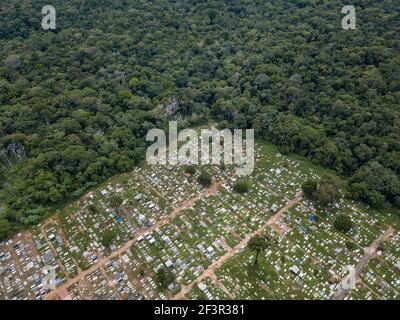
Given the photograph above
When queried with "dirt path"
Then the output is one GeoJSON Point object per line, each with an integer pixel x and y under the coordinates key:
{"type": "Point", "coordinates": [53, 249]}
{"type": "Point", "coordinates": [51, 220]}
{"type": "Point", "coordinates": [215, 281]}
{"type": "Point", "coordinates": [369, 253]}
{"type": "Point", "coordinates": [18, 266]}
{"type": "Point", "coordinates": [165, 220]}
{"type": "Point", "coordinates": [110, 282]}
{"type": "Point", "coordinates": [209, 272]}
{"type": "Point", "coordinates": [62, 234]}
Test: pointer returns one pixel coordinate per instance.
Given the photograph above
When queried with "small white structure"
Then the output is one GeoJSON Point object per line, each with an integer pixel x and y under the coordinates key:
{"type": "Point", "coordinates": [294, 269]}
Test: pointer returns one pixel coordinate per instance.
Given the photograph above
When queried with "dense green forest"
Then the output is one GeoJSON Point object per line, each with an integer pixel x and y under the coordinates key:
{"type": "Point", "coordinates": [77, 102]}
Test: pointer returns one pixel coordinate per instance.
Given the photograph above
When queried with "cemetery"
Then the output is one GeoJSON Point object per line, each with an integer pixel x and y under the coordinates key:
{"type": "Point", "coordinates": [115, 241]}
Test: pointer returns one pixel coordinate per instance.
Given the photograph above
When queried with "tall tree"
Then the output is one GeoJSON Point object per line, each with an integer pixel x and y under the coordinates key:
{"type": "Point", "coordinates": [258, 244]}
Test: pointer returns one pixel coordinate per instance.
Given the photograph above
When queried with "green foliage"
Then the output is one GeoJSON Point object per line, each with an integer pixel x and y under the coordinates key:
{"type": "Point", "coordinates": [81, 100]}
{"type": "Point", "coordinates": [115, 201]}
{"type": "Point", "coordinates": [5, 229]}
{"type": "Point", "coordinates": [92, 209]}
{"type": "Point", "coordinates": [309, 188]}
{"type": "Point", "coordinates": [241, 186]}
{"type": "Point", "coordinates": [382, 246]}
{"type": "Point", "coordinates": [190, 169]}
{"type": "Point", "coordinates": [351, 245]}
{"type": "Point", "coordinates": [164, 277]}
{"type": "Point", "coordinates": [343, 223]}
{"type": "Point", "coordinates": [258, 244]}
{"type": "Point", "coordinates": [373, 183]}
{"type": "Point", "coordinates": [108, 237]}
{"type": "Point", "coordinates": [324, 192]}
{"type": "Point", "coordinates": [204, 179]}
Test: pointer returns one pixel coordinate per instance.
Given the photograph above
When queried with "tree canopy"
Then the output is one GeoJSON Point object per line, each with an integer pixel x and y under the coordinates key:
{"type": "Point", "coordinates": [204, 179]}
{"type": "Point", "coordinates": [241, 186]}
{"type": "Point", "coordinates": [258, 244]}
{"type": "Point", "coordinates": [108, 237]}
{"type": "Point", "coordinates": [190, 169]}
{"type": "Point", "coordinates": [164, 277]}
{"type": "Point", "coordinates": [343, 223]}
{"type": "Point", "coordinates": [324, 192]}
{"type": "Point", "coordinates": [77, 102]}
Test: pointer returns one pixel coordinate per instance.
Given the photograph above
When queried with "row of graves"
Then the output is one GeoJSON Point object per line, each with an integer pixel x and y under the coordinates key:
{"type": "Point", "coordinates": [208, 289]}
{"type": "Point", "coordinates": [282, 272]}
{"type": "Point", "coordinates": [224, 221]}
{"type": "Point", "coordinates": [381, 278]}
{"type": "Point", "coordinates": [62, 252]}
{"type": "Point", "coordinates": [83, 224]}
{"type": "Point", "coordinates": [185, 248]}
{"type": "Point", "coordinates": [383, 272]}
{"type": "Point", "coordinates": [144, 206]}
{"type": "Point", "coordinates": [118, 278]}
{"type": "Point", "coordinates": [172, 183]}
{"type": "Point", "coordinates": [139, 273]}
{"type": "Point", "coordinates": [391, 252]}
{"type": "Point", "coordinates": [12, 282]}
{"type": "Point", "coordinates": [176, 185]}
{"type": "Point", "coordinates": [372, 277]}
{"type": "Point", "coordinates": [82, 245]}
{"type": "Point", "coordinates": [368, 225]}
{"type": "Point", "coordinates": [251, 212]}
{"type": "Point", "coordinates": [198, 245]}
{"type": "Point", "coordinates": [386, 276]}
{"type": "Point", "coordinates": [245, 280]}
{"type": "Point", "coordinates": [94, 286]}
{"type": "Point", "coordinates": [125, 284]}
{"type": "Point", "coordinates": [107, 217]}
{"type": "Point", "coordinates": [326, 252]}
{"type": "Point", "coordinates": [22, 268]}
{"type": "Point", "coordinates": [389, 258]}
{"type": "Point", "coordinates": [382, 275]}
{"type": "Point", "coordinates": [362, 292]}
{"type": "Point", "coordinates": [281, 175]}
{"type": "Point", "coordinates": [308, 268]}
{"type": "Point", "coordinates": [306, 259]}
{"type": "Point", "coordinates": [47, 255]}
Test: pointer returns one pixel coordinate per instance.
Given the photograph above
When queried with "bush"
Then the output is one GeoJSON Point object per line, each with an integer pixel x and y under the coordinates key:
{"type": "Point", "coordinates": [325, 191]}
{"type": "Point", "coordinates": [108, 238]}
{"type": "Point", "coordinates": [382, 246]}
{"type": "Point", "coordinates": [5, 229]}
{"type": "Point", "coordinates": [204, 179]}
{"type": "Point", "coordinates": [92, 208]}
{"type": "Point", "coordinates": [164, 277]}
{"type": "Point", "coordinates": [343, 223]}
{"type": "Point", "coordinates": [190, 169]}
{"type": "Point", "coordinates": [351, 245]}
{"type": "Point", "coordinates": [241, 187]}
{"type": "Point", "coordinates": [309, 187]}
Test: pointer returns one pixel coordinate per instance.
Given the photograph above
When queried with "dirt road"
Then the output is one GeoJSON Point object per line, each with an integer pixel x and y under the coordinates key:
{"type": "Point", "coordinates": [369, 253]}
{"type": "Point", "coordinates": [165, 220]}
{"type": "Point", "coordinates": [209, 272]}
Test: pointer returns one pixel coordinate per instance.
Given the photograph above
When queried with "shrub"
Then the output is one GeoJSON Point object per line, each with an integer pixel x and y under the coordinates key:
{"type": "Point", "coordinates": [343, 223]}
